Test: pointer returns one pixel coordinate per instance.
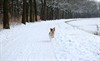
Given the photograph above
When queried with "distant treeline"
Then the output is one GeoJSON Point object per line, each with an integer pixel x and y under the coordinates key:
{"type": "Point", "coordinates": [34, 10]}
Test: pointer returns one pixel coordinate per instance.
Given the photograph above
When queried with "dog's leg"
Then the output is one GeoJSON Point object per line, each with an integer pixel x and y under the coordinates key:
{"type": "Point", "coordinates": [50, 36]}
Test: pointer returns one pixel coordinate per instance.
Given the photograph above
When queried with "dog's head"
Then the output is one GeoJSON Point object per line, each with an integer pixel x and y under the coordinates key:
{"type": "Point", "coordinates": [52, 30]}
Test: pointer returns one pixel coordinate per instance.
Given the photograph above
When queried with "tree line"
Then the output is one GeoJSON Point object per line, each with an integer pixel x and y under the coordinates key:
{"type": "Point", "coordinates": [19, 8]}
{"type": "Point", "coordinates": [28, 10]}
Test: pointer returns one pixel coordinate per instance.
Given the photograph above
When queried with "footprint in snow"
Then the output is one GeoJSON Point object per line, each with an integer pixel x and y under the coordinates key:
{"type": "Point", "coordinates": [69, 40]}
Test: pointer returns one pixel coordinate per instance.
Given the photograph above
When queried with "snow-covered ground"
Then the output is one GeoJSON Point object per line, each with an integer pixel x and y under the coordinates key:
{"type": "Point", "coordinates": [91, 25]}
{"type": "Point", "coordinates": [31, 42]}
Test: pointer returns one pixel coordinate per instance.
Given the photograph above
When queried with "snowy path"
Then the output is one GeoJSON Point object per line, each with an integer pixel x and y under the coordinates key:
{"type": "Point", "coordinates": [31, 43]}
{"type": "Point", "coordinates": [25, 46]}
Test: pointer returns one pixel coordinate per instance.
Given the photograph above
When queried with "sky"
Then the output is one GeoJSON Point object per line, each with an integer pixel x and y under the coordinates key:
{"type": "Point", "coordinates": [95, 0]}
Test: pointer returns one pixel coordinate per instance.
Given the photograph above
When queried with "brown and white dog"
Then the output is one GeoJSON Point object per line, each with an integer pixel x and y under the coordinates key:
{"type": "Point", "coordinates": [51, 33]}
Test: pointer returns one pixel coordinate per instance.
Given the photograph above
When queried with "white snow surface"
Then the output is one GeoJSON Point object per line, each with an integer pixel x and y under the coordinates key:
{"type": "Point", "coordinates": [88, 25]}
{"type": "Point", "coordinates": [31, 42]}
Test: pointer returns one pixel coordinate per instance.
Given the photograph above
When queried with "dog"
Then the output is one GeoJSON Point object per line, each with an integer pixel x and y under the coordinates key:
{"type": "Point", "coordinates": [51, 33]}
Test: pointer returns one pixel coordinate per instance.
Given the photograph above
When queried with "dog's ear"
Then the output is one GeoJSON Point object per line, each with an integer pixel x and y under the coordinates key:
{"type": "Point", "coordinates": [50, 29]}
{"type": "Point", "coordinates": [54, 28]}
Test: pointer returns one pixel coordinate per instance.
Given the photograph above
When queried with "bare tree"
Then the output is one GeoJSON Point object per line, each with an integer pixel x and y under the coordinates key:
{"type": "Point", "coordinates": [6, 14]}
{"type": "Point", "coordinates": [27, 11]}
{"type": "Point", "coordinates": [31, 11]}
{"type": "Point", "coordinates": [24, 12]}
{"type": "Point", "coordinates": [35, 10]}
{"type": "Point", "coordinates": [43, 9]}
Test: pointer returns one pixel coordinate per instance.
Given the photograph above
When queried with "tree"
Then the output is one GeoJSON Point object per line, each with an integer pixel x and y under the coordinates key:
{"type": "Point", "coordinates": [1, 6]}
{"type": "Point", "coordinates": [27, 11]}
{"type": "Point", "coordinates": [31, 11]}
{"type": "Point", "coordinates": [24, 12]}
{"type": "Point", "coordinates": [35, 10]}
{"type": "Point", "coordinates": [43, 10]}
{"type": "Point", "coordinates": [6, 14]}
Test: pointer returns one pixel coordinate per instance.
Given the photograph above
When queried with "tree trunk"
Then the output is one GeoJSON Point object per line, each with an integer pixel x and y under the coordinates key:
{"type": "Point", "coordinates": [24, 12]}
{"type": "Point", "coordinates": [27, 12]}
{"type": "Point", "coordinates": [51, 13]}
{"type": "Point", "coordinates": [6, 14]}
{"type": "Point", "coordinates": [41, 15]}
{"type": "Point", "coordinates": [35, 10]}
{"type": "Point", "coordinates": [12, 10]}
{"type": "Point", "coordinates": [31, 10]}
{"type": "Point", "coordinates": [43, 9]}
{"type": "Point", "coordinates": [56, 13]}
{"type": "Point", "coordinates": [47, 12]}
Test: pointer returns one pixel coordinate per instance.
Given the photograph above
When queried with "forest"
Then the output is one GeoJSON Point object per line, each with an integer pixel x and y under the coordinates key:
{"type": "Point", "coordinates": [34, 10]}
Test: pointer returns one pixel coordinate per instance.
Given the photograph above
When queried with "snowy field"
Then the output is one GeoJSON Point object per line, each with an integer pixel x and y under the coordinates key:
{"type": "Point", "coordinates": [31, 42]}
{"type": "Point", "coordinates": [91, 25]}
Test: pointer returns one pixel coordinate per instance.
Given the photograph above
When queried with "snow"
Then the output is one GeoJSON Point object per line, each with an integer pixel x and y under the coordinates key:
{"type": "Point", "coordinates": [31, 42]}
{"type": "Point", "coordinates": [90, 26]}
